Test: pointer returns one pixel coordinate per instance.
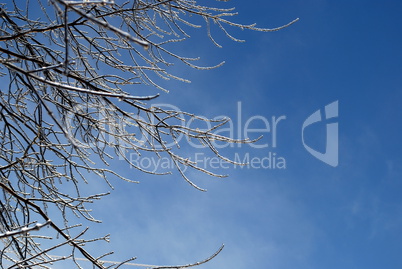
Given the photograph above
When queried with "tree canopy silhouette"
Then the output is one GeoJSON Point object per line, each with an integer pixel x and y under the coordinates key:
{"type": "Point", "coordinates": [70, 101]}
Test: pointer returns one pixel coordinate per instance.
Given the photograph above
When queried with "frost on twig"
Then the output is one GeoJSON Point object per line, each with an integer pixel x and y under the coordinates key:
{"type": "Point", "coordinates": [25, 230]}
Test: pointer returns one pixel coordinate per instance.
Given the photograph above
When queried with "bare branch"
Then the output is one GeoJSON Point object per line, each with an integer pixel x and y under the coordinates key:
{"type": "Point", "coordinates": [73, 99]}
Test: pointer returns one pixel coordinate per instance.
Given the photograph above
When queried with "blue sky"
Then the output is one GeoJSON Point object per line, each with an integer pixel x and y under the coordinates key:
{"type": "Point", "coordinates": [309, 215]}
